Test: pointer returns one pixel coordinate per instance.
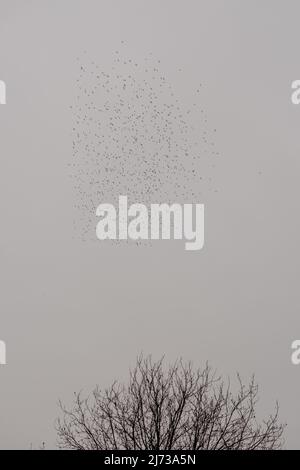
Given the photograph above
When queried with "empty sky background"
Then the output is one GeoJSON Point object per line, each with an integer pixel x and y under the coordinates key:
{"type": "Point", "coordinates": [74, 314]}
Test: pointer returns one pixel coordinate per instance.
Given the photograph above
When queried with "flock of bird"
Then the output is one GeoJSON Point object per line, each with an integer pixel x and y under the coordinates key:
{"type": "Point", "coordinates": [133, 136]}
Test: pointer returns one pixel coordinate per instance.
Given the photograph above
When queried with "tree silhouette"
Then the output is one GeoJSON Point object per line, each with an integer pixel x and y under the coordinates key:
{"type": "Point", "coordinates": [164, 408]}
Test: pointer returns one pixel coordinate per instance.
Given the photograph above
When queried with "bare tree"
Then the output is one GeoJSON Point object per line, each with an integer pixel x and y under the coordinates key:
{"type": "Point", "coordinates": [169, 408]}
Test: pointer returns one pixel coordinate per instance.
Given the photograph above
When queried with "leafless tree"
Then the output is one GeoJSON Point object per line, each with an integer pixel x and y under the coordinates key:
{"type": "Point", "coordinates": [165, 408]}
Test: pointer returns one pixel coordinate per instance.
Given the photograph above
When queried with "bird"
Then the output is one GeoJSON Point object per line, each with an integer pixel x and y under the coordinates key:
{"type": "Point", "coordinates": [132, 133]}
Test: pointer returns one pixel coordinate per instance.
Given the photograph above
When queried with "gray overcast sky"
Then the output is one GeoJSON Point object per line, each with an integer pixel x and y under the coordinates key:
{"type": "Point", "coordinates": [76, 313]}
